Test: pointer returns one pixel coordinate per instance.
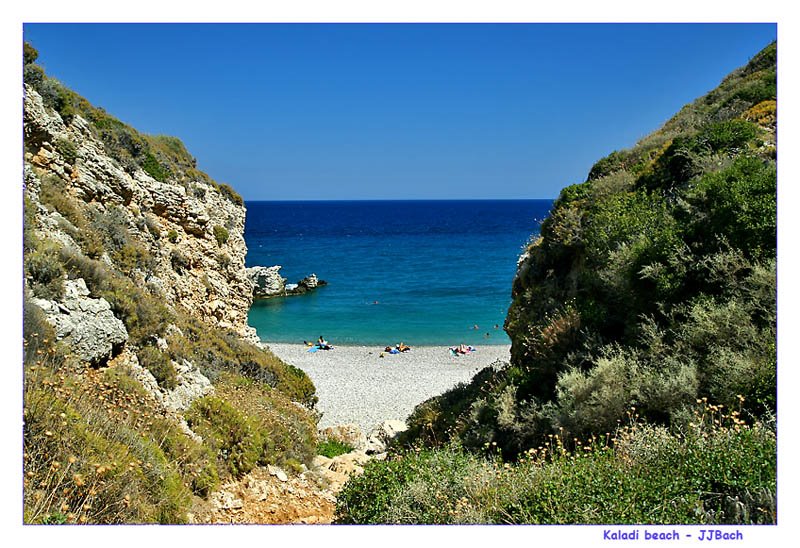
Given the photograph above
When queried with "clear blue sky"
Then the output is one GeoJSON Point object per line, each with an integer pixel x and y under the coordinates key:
{"type": "Point", "coordinates": [361, 111]}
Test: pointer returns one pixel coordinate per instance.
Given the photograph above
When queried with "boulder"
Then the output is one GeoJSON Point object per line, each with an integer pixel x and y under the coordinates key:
{"type": "Point", "coordinates": [267, 281]}
{"type": "Point", "coordinates": [381, 436]}
{"type": "Point", "coordinates": [349, 463]}
{"type": "Point", "coordinates": [349, 434]}
{"type": "Point", "coordinates": [190, 385]}
{"type": "Point", "coordinates": [277, 472]}
{"type": "Point", "coordinates": [87, 324]}
{"type": "Point", "coordinates": [309, 283]}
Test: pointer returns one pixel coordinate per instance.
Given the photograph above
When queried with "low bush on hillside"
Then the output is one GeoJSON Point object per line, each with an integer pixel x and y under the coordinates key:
{"type": "Point", "coordinates": [248, 424]}
{"type": "Point", "coordinates": [221, 235]}
{"type": "Point", "coordinates": [68, 151]}
{"type": "Point", "coordinates": [233, 436]}
{"type": "Point", "coordinates": [288, 431]}
{"type": "Point", "coordinates": [45, 271]}
{"type": "Point", "coordinates": [159, 364]}
{"type": "Point", "coordinates": [333, 448]}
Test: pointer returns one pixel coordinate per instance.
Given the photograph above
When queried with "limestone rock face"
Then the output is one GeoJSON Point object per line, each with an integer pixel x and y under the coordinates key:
{"type": "Point", "coordinates": [87, 324]}
{"type": "Point", "coordinates": [381, 436]}
{"type": "Point", "coordinates": [337, 471]}
{"type": "Point", "coordinates": [191, 385]}
{"type": "Point", "coordinates": [267, 281]}
{"type": "Point", "coordinates": [175, 221]}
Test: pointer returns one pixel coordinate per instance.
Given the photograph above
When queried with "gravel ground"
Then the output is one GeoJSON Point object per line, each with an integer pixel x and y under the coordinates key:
{"type": "Point", "coordinates": [355, 385]}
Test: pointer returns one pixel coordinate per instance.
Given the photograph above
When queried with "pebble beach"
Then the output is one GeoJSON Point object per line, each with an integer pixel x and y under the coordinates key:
{"type": "Point", "coordinates": [357, 386]}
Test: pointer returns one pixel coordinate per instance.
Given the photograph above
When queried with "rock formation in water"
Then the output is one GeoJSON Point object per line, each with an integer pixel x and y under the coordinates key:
{"type": "Point", "coordinates": [267, 282]}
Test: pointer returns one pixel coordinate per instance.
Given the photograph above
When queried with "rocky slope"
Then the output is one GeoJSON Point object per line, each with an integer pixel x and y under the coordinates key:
{"type": "Point", "coordinates": [145, 389]}
{"type": "Point", "coordinates": [176, 223]}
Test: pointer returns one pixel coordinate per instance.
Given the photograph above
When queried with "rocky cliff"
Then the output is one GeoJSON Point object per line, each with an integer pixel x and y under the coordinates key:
{"type": "Point", "coordinates": [181, 226]}
{"type": "Point", "coordinates": [144, 386]}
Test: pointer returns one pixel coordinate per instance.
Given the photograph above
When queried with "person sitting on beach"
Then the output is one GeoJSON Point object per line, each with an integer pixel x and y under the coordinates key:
{"type": "Point", "coordinates": [323, 344]}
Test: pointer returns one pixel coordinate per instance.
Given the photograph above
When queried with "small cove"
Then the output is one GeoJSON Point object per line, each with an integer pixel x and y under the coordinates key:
{"type": "Point", "coordinates": [422, 272]}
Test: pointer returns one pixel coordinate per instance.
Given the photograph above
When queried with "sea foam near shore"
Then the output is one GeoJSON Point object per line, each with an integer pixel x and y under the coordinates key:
{"type": "Point", "coordinates": [355, 385]}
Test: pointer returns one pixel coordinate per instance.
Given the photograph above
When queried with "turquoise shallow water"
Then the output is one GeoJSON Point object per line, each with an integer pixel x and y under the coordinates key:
{"type": "Point", "coordinates": [421, 272]}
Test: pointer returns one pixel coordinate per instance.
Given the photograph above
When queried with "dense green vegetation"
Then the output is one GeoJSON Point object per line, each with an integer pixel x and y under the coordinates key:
{"type": "Point", "coordinates": [652, 286]}
{"type": "Point", "coordinates": [719, 471]}
{"type": "Point", "coordinates": [333, 448]}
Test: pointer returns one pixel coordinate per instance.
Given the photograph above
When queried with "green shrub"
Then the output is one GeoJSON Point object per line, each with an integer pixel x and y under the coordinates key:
{"type": "Point", "coordinates": [67, 150]}
{"type": "Point", "coordinates": [368, 497]}
{"type": "Point", "coordinates": [221, 235]}
{"type": "Point", "coordinates": [153, 168]}
{"type": "Point", "coordinates": [740, 204]}
{"type": "Point", "coordinates": [234, 436]}
{"type": "Point", "coordinates": [38, 337]}
{"type": "Point", "coordinates": [230, 194]}
{"type": "Point", "coordinates": [55, 196]}
{"type": "Point", "coordinates": [605, 166]}
{"type": "Point", "coordinates": [132, 256]}
{"type": "Point", "coordinates": [45, 271]}
{"type": "Point", "coordinates": [333, 448]}
{"type": "Point", "coordinates": [159, 364]}
{"type": "Point", "coordinates": [729, 136]}
{"type": "Point", "coordinates": [33, 76]}
{"type": "Point", "coordinates": [64, 104]}
{"type": "Point", "coordinates": [180, 261]}
{"type": "Point", "coordinates": [112, 225]}
{"type": "Point", "coordinates": [29, 53]}
{"type": "Point", "coordinates": [172, 235]}
{"type": "Point", "coordinates": [287, 431]}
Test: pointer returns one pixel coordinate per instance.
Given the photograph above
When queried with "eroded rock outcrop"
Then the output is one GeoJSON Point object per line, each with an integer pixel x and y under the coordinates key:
{"type": "Point", "coordinates": [382, 435]}
{"type": "Point", "coordinates": [267, 282]}
{"type": "Point", "coordinates": [87, 324]}
{"type": "Point", "coordinates": [179, 223]}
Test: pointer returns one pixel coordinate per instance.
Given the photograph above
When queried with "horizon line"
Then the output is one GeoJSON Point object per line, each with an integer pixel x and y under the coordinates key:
{"type": "Point", "coordinates": [320, 200]}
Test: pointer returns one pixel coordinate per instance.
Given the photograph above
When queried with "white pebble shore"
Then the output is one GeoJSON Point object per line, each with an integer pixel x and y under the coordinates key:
{"type": "Point", "coordinates": [356, 386]}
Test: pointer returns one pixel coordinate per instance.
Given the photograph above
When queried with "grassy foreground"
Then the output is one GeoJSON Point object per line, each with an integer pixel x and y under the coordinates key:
{"type": "Point", "coordinates": [721, 470]}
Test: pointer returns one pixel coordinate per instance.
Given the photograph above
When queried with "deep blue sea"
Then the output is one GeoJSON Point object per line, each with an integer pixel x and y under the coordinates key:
{"type": "Point", "coordinates": [420, 272]}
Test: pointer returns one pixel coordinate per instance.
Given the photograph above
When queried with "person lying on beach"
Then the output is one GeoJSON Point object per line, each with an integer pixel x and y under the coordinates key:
{"type": "Point", "coordinates": [462, 349]}
{"type": "Point", "coordinates": [400, 347]}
